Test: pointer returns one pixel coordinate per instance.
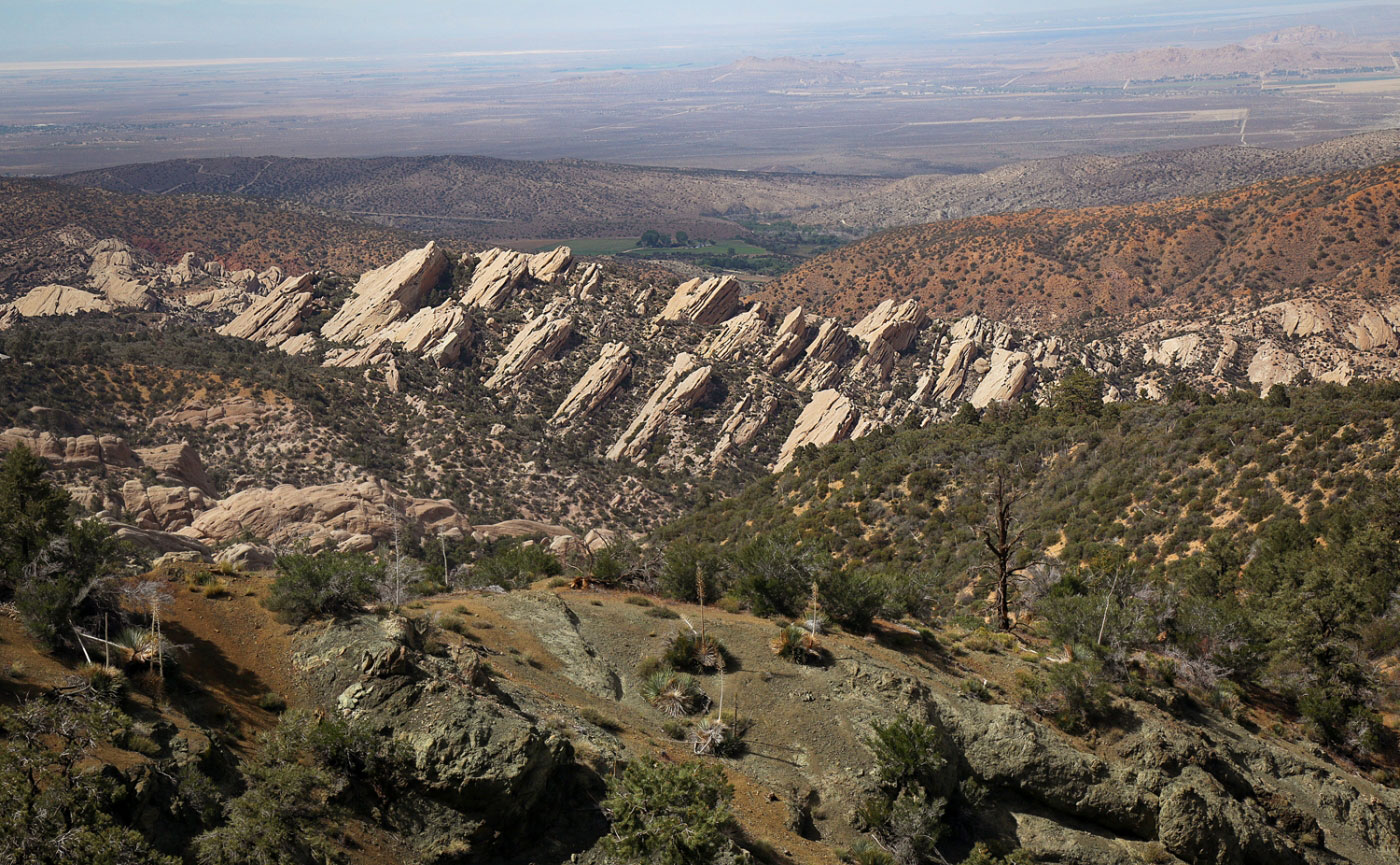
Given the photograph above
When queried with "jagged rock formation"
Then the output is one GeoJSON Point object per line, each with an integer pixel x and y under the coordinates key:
{"type": "Point", "coordinates": [385, 295]}
{"type": "Point", "coordinates": [498, 272]}
{"type": "Point", "coordinates": [736, 334]}
{"type": "Point", "coordinates": [750, 415]}
{"type": "Point", "coordinates": [1371, 332]}
{"type": "Point", "coordinates": [275, 317]}
{"type": "Point", "coordinates": [681, 388]}
{"type": "Point", "coordinates": [704, 301]}
{"type": "Point", "coordinates": [829, 417]}
{"type": "Point", "coordinates": [820, 365]}
{"type": "Point", "coordinates": [896, 324]}
{"type": "Point", "coordinates": [1303, 318]}
{"type": "Point", "coordinates": [538, 341]}
{"type": "Point", "coordinates": [113, 272]}
{"type": "Point", "coordinates": [613, 366]}
{"type": "Point", "coordinates": [434, 332]}
{"type": "Point", "coordinates": [788, 343]}
{"type": "Point", "coordinates": [1184, 350]}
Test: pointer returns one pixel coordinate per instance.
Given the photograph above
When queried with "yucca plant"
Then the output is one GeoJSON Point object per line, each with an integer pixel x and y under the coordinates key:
{"type": "Point", "coordinates": [674, 694]}
{"type": "Point", "coordinates": [145, 647]}
{"type": "Point", "coordinates": [694, 652]}
{"type": "Point", "coordinates": [797, 644]}
{"type": "Point", "coordinates": [100, 681]}
{"type": "Point", "coordinates": [710, 737]}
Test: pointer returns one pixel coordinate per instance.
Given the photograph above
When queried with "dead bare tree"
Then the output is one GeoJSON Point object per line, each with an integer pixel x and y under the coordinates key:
{"type": "Point", "coordinates": [1003, 539]}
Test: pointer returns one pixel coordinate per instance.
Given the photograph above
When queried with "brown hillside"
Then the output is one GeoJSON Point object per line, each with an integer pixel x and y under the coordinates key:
{"type": "Point", "coordinates": [1055, 267]}
{"type": "Point", "coordinates": [238, 232]}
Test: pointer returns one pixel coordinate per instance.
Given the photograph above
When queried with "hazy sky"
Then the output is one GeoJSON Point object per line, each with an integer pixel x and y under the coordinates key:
{"type": "Point", "coordinates": [143, 29]}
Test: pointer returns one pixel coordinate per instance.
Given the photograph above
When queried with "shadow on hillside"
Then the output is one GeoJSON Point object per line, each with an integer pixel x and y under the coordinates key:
{"type": "Point", "coordinates": [211, 689]}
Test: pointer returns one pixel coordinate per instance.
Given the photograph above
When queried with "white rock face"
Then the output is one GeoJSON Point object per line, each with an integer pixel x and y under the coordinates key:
{"type": "Point", "coordinates": [1179, 351]}
{"type": "Point", "coordinates": [551, 266]}
{"type": "Point", "coordinates": [683, 386]}
{"type": "Point", "coordinates": [897, 324]}
{"type": "Point", "coordinates": [821, 363]}
{"type": "Point", "coordinates": [185, 272]}
{"type": "Point", "coordinates": [704, 301]}
{"type": "Point", "coordinates": [750, 415]}
{"type": "Point", "coordinates": [498, 272]}
{"type": "Point", "coordinates": [113, 272]}
{"type": "Point", "coordinates": [275, 317]}
{"type": "Point", "coordinates": [58, 300]}
{"type": "Point", "coordinates": [788, 343]}
{"type": "Point", "coordinates": [435, 332]}
{"type": "Point", "coordinates": [736, 334]}
{"type": "Point", "coordinates": [1372, 332]}
{"type": "Point", "coordinates": [539, 340]}
{"type": "Point", "coordinates": [272, 277]}
{"type": "Point", "coordinates": [587, 283]}
{"type": "Point", "coordinates": [378, 350]}
{"type": "Point", "coordinates": [984, 332]}
{"type": "Point", "coordinates": [829, 417]}
{"type": "Point", "coordinates": [299, 344]}
{"type": "Point", "coordinates": [1300, 318]}
{"type": "Point", "coordinates": [1005, 379]}
{"type": "Point", "coordinates": [1273, 365]}
{"type": "Point", "coordinates": [954, 374]}
{"type": "Point", "coordinates": [596, 385]}
{"type": "Point", "coordinates": [385, 295]}
{"type": "Point", "coordinates": [1223, 361]}
{"type": "Point", "coordinates": [326, 515]}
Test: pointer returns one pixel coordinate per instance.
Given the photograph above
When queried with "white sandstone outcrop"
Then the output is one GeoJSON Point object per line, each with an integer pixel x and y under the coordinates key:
{"type": "Point", "coordinates": [1371, 332]}
{"type": "Point", "coordinates": [539, 340]}
{"type": "Point", "coordinates": [896, 323]}
{"type": "Point", "coordinates": [745, 422]}
{"type": "Point", "coordinates": [385, 295]}
{"type": "Point", "coordinates": [736, 334]}
{"type": "Point", "coordinates": [596, 385]}
{"type": "Point", "coordinates": [954, 373]}
{"type": "Point", "coordinates": [1299, 318]}
{"type": "Point", "coordinates": [1179, 351]}
{"type": "Point", "coordinates": [498, 272]}
{"type": "Point", "coordinates": [829, 417]}
{"type": "Point", "coordinates": [1005, 379]}
{"type": "Point", "coordinates": [788, 343]}
{"type": "Point", "coordinates": [59, 300]}
{"type": "Point", "coordinates": [275, 317]}
{"type": "Point", "coordinates": [113, 272]}
{"type": "Point", "coordinates": [682, 387]}
{"type": "Point", "coordinates": [821, 363]}
{"type": "Point", "coordinates": [704, 301]}
{"type": "Point", "coordinates": [1273, 365]}
{"type": "Point", "coordinates": [551, 266]}
{"type": "Point", "coordinates": [434, 332]}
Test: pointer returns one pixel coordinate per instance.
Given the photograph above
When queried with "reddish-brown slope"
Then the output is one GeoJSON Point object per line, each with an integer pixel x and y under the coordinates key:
{"type": "Point", "coordinates": [1053, 267]}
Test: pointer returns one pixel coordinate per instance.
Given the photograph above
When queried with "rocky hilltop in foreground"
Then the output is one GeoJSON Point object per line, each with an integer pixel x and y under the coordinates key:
{"type": "Point", "coordinates": [500, 385]}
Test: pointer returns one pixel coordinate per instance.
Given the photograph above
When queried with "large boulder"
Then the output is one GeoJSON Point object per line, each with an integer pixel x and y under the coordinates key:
{"type": "Point", "coordinates": [704, 301]}
{"type": "Point", "coordinates": [1005, 379]}
{"type": "Point", "coordinates": [596, 385]}
{"type": "Point", "coordinates": [538, 340]}
{"type": "Point", "coordinates": [274, 318]}
{"type": "Point", "coordinates": [477, 765]}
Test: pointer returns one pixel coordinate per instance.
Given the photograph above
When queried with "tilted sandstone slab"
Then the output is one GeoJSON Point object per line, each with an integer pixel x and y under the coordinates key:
{"type": "Point", "coordinates": [539, 340]}
{"type": "Point", "coordinates": [954, 373]}
{"type": "Point", "coordinates": [1179, 351]}
{"type": "Point", "coordinates": [385, 295]}
{"type": "Point", "coordinates": [878, 362]}
{"type": "Point", "coordinates": [820, 366]}
{"type": "Point", "coordinates": [1226, 358]}
{"type": "Point", "coordinates": [299, 344]}
{"type": "Point", "coordinates": [59, 300]}
{"type": "Point", "coordinates": [1371, 332]}
{"type": "Point", "coordinates": [185, 272]}
{"type": "Point", "coordinates": [587, 283]}
{"type": "Point", "coordinates": [498, 272]}
{"type": "Point", "coordinates": [1302, 317]}
{"type": "Point", "coordinates": [788, 342]}
{"type": "Point", "coordinates": [164, 508]}
{"type": "Point", "coordinates": [378, 350]}
{"type": "Point", "coordinates": [750, 415]}
{"type": "Point", "coordinates": [682, 387]}
{"type": "Point", "coordinates": [273, 277]}
{"type": "Point", "coordinates": [896, 323]}
{"type": "Point", "coordinates": [224, 299]}
{"type": "Point", "coordinates": [736, 334]}
{"type": "Point", "coordinates": [596, 385]}
{"type": "Point", "coordinates": [551, 266]}
{"type": "Point", "coordinates": [985, 332]}
{"type": "Point", "coordinates": [274, 318]}
{"type": "Point", "coordinates": [1005, 379]}
{"type": "Point", "coordinates": [434, 332]}
{"type": "Point", "coordinates": [829, 417]}
{"type": "Point", "coordinates": [704, 301]}
{"type": "Point", "coordinates": [1273, 365]}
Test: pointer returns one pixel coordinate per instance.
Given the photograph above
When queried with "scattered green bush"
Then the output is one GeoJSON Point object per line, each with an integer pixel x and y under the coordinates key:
{"type": "Point", "coordinates": [669, 814]}
{"type": "Point", "coordinates": [326, 583]}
